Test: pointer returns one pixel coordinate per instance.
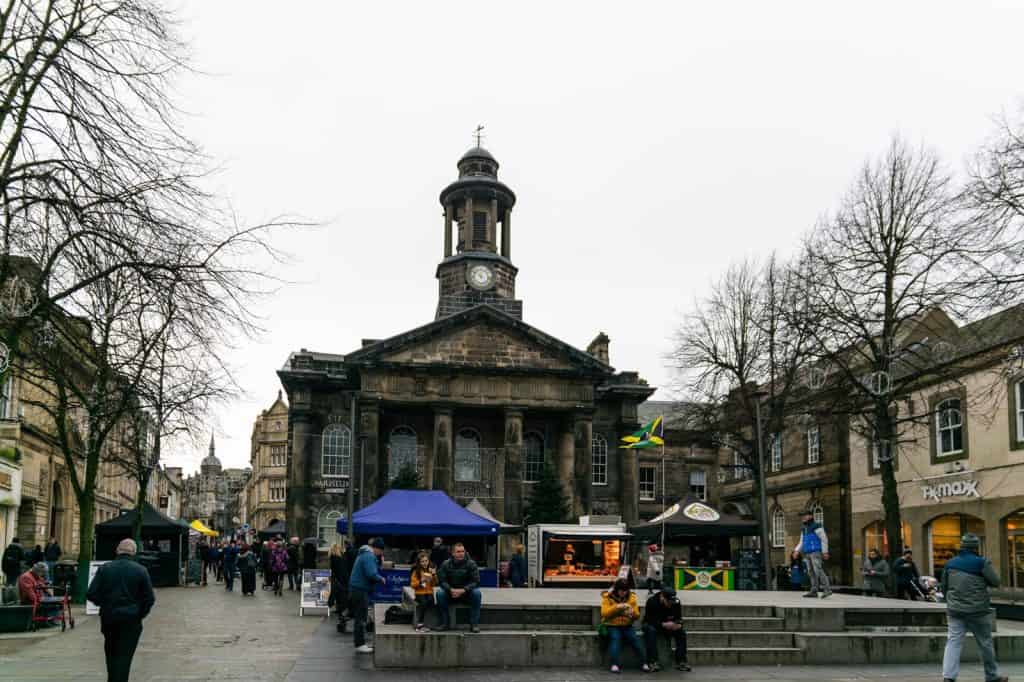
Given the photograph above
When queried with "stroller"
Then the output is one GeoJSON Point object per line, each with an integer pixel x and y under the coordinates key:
{"type": "Point", "coordinates": [927, 588]}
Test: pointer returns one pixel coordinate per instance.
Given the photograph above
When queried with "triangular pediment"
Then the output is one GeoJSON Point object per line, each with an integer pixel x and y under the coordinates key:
{"type": "Point", "coordinates": [481, 337]}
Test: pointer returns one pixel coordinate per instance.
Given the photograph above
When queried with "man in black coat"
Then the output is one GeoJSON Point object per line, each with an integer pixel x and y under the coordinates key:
{"type": "Point", "coordinates": [13, 556]}
{"type": "Point", "coordinates": [439, 553]}
{"type": "Point", "coordinates": [663, 615]}
{"type": "Point", "coordinates": [294, 577]}
{"type": "Point", "coordinates": [905, 571]}
{"type": "Point", "coordinates": [124, 594]}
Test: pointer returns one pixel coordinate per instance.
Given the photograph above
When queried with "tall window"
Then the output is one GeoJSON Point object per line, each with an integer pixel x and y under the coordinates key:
{"type": "Point", "coordinates": [533, 444]}
{"type": "Point", "coordinates": [1018, 394]}
{"type": "Point", "coordinates": [949, 427]}
{"type": "Point", "coordinates": [813, 445]}
{"type": "Point", "coordinates": [818, 513]}
{"type": "Point", "coordinates": [599, 460]}
{"type": "Point", "coordinates": [479, 226]}
{"type": "Point", "coordinates": [648, 482]}
{"type": "Point", "coordinates": [6, 404]}
{"type": "Point", "coordinates": [699, 484]}
{"type": "Point", "coordinates": [277, 455]}
{"type": "Point", "coordinates": [277, 490]}
{"type": "Point", "coordinates": [776, 451]}
{"type": "Point", "coordinates": [336, 451]}
{"type": "Point", "coordinates": [778, 528]}
{"type": "Point", "coordinates": [401, 450]}
{"type": "Point", "coordinates": [327, 527]}
{"type": "Point", "coordinates": [467, 455]}
{"type": "Point", "coordinates": [740, 470]}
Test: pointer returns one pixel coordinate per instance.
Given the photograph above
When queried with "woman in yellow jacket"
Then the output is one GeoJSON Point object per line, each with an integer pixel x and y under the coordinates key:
{"type": "Point", "coordinates": [423, 581]}
{"type": "Point", "coordinates": [619, 610]}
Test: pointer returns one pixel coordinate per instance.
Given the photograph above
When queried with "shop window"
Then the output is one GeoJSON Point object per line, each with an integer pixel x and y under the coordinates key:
{"type": "Point", "coordinates": [401, 450]}
{"type": "Point", "coordinates": [875, 537]}
{"type": "Point", "coordinates": [944, 535]}
{"type": "Point", "coordinates": [336, 451]}
{"type": "Point", "coordinates": [778, 528]}
{"type": "Point", "coordinates": [327, 527]}
{"type": "Point", "coordinates": [813, 445]}
{"type": "Point", "coordinates": [598, 460]}
{"type": "Point", "coordinates": [699, 484]}
{"type": "Point", "coordinates": [949, 428]}
{"type": "Point", "coordinates": [648, 482]}
{"type": "Point", "coordinates": [533, 446]}
{"type": "Point", "coordinates": [1014, 528]}
{"type": "Point", "coordinates": [467, 455]}
{"type": "Point", "coordinates": [776, 451]}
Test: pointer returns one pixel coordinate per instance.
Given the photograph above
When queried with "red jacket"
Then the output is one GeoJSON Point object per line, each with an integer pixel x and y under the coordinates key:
{"type": "Point", "coordinates": [27, 584]}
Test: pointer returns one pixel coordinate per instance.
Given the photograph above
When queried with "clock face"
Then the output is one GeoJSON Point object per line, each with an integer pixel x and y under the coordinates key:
{"type": "Point", "coordinates": [480, 277]}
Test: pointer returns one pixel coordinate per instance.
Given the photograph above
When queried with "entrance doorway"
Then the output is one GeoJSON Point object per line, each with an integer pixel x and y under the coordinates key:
{"type": "Point", "coordinates": [56, 513]}
{"type": "Point", "coordinates": [944, 533]}
{"type": "Point", "coordinates": [1015, 548]}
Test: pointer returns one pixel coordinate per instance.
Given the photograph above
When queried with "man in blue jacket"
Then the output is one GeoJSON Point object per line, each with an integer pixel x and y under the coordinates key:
{"type": "Point", "coordinates": [813, 546]}
{"type": "Point", "coordinates": [965, 582]}
{"type": "Point", "coordinates": [230, 565]}
{"type": "Point", "coordinates": [361, 583]}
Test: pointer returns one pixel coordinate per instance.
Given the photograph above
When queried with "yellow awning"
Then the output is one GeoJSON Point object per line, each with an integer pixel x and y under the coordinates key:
{"type": "Point", "coordinates": [201, 527]}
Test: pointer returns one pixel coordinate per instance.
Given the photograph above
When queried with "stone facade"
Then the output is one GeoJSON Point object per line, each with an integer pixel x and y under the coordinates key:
{"type": "Point", "coordinates": [212, 495]}
{"type": "Point", "coordinates": [477, 400]}
{"type": "Point", "coordinates": [265, 491]}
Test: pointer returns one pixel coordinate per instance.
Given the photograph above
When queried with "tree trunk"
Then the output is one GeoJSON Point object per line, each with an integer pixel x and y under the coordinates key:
{"type": "Point", "coordinates": [890, 489]}
{"type": "Point", "coordinates": [140, 503]}
{"type": "Point", "coordinates": [86, 540]}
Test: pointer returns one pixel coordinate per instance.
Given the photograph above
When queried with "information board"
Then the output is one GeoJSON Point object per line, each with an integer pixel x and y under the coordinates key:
{"type": "Point", "coordinates": [90, 608]}
{"type": "Point", "coordinates": [316, 589]}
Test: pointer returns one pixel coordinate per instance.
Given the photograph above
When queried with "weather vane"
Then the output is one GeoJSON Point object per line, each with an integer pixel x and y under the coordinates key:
{"type": "Point", "coordinates": [479, 134]}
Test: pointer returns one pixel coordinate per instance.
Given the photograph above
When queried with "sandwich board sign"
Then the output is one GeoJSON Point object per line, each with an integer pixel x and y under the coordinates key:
{"type": "Point", "coordinates": [316, 590]}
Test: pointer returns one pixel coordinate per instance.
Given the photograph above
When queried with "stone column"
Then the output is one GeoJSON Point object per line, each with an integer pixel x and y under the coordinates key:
{"type": "Point", "coordinates": [499, 484]}
{"type": "Point", "coordinates": [584, 432]}
{"type": "Point", "coordinates": [449, 210]}
{"type": "Point", "coordinates": [368, 448]}
{"type": "Point", "coordinates": [443, 450]}
{"type": "Point", "coordinates": [513, 465]}
{"type": "Point", "coordinates": [565, 462]}
{"type": "Point", "coordinates": [297, 505]}
{"type": "Point", "coordinates": [628, 472]}
{"type": "Point", "coordinates": [506, 234]}
{"type": "Point", "coordinates": [468, 222]}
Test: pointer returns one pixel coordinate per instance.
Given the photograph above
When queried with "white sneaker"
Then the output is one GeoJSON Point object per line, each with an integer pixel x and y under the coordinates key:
{"type": "Point", "coordinates": [364, 649]}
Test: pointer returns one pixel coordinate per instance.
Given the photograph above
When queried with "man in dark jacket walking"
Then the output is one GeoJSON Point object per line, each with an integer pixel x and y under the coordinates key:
{"type": "Point", "coordinates": [459, 578]}
{"type": "Point", "coordinates": [965, 582]}
{"type": "Point", "coordinates": [230, 559]}
{"type": "Point", "coordinates": [663, 615]}
{"type": "Point", "coordinates": [124, 594]}
{"type": "Point", "coordinates": [51, 555]}
{"type": "Point", "coordinates": [294, 579]}
{"type": "Point", "coordinates": [907, 577]}
{"type": "Point", "coordinates": [13, 556]}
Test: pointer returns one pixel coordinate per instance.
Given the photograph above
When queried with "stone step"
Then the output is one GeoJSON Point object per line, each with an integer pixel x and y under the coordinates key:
{"type": "Point", "coordinates": [701, 656]}
{"type": "Point", "coordinates": [732, 624]}
{"type": "Point", "coordinates": [739, 640]}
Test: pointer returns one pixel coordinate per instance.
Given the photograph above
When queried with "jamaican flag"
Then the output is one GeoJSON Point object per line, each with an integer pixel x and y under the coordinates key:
{"type": "Point", "coordinates": [652, 435]}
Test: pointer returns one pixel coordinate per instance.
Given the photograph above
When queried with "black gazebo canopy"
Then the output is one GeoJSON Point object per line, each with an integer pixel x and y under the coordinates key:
{"type": "Point", "coordinates": [695, 518]}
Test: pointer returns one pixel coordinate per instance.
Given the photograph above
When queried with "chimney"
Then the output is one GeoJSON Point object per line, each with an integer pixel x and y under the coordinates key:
{"type": "Point", "coordinates": [599, 348]}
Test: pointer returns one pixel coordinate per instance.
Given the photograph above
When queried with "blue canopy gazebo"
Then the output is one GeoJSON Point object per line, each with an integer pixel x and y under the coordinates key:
{"type": "Point", "coordinates": [424, 513]}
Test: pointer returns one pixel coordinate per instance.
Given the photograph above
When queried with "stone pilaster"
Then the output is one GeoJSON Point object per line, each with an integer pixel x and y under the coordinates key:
{"type": "Point", "coordinates": [584, 433]}
{"type": "Point", "coordinates": [506, 234]}
{"type": "Point", "coordinates": [565, 463]}
{"type": "Point", "coordinates": [297, 507]}
{"type": "Point", "coordinates": [369, 449]}
{"type": "Point", "coordinates": [449, 211]}
{"type": "Point", "coordinates": [492, 225]}
{"type": "Point", "coordinates": [443, 451]}
{"type": "Point", "coordinates": [630, 493]}
{"type": "Point", "coordinates": [513, 459]}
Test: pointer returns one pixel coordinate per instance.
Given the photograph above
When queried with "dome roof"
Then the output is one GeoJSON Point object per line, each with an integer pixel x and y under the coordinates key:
{"type": "Point", "coordinates": [478, 153]}
{"type": "Point", "coordinates": [210, 461]}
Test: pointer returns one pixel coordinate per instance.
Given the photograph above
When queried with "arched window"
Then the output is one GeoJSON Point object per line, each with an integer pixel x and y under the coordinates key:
{"type": "Point", "coordinates": [467, 455]}
{"type": "Point", "coordinates": [336, 451]}
{"type": "Point", "coordinates": [533, 445]}
{"type": "Point", "coordinates": [949, 427]}
{"type": "Point", "coordinates": [327, 527]}
{"type": "Point", "coordinates": [818, 513]}
{"type": "Point", "coordinates": [778, 528]}
{"type": "Point", "coordinates": [401, 450]}
{"type": "Point", "coordinates": [598, 460]}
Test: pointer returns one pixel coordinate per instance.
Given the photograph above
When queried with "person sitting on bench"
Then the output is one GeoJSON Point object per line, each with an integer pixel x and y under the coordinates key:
{"type": "Point", "coordinates": [460, 583]}
{"type": "Point", "coordinates": [32, 588]}
{"type": "Point", "coordinates": [663, 615]}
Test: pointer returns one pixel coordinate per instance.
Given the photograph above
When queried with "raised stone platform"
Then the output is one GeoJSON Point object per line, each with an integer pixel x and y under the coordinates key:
{"type": "Point", "coordinates": [557, 627]}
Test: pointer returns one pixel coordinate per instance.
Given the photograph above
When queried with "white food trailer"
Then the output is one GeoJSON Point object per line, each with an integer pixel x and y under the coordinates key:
{"type": "Point", "coordinates": [586, 553]}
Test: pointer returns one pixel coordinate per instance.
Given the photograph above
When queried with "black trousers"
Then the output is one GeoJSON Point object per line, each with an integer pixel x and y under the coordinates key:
{"type": "Point", "coordinates": [119, 643]}
{"type": "Point", "coordinates": [359, 603]}
{"type": "Point", "coordinates": [651, 634]}
{"type": "Point", "coordinates": [248, 581]}
{"type": "Point", "coordinates": [906, 589]}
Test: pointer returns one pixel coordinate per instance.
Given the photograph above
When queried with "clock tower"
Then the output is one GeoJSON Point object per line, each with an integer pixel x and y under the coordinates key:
{"type": "Point", "coordinates": [479, 269]}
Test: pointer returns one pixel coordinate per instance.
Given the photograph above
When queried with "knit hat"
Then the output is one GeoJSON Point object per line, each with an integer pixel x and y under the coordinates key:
{"type": "Point", "coordinates": [126, 546]}
{"type": "Point", "coordinates": [970, 542]}
{"type": "Point", "coordinates": [378, 543]}
{"type": "Point", "coordinates": [39, 568]}
{"type": "Point", "coordinates": [668, 591]}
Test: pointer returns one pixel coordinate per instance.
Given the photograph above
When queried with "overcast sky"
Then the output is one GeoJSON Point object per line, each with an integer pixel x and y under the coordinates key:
{"type": "Point", "coordinates": [649, 145]}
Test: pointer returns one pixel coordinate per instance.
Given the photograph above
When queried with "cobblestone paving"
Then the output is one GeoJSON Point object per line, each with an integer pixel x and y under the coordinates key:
{"type": "Point", "coordinates": [210, 634]}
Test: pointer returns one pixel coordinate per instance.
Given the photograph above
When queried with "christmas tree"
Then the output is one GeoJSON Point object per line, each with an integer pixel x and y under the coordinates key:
{"type": "Point", "coordinates": [547, 502]}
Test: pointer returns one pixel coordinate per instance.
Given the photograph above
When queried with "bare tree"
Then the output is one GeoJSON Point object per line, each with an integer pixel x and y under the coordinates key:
{"type": "Point", "coordinates": [901, 253]}
{"type": "Point", "coordinates": [738, 350]}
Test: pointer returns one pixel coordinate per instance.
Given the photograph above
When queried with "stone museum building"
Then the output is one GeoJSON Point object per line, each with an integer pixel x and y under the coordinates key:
{"type": "Point", "coordinates": [476, 399]}
{"type": "Point", "coordinates": [212, 495]}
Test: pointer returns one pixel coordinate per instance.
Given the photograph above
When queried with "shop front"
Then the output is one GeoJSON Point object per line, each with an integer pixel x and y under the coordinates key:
{"type": "Point", "coordinates": [569, 555]}
{"type": "Point", "coordinates": [10, 500]}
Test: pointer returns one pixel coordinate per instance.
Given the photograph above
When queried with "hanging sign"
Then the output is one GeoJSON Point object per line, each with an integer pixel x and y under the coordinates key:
{"type": "Point", "coordinates": [700, 512]}
{"type": "Point", "coordinates": [968, 488]}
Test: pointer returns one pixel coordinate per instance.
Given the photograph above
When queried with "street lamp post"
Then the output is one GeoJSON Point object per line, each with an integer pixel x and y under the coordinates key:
{"type": "Point", "coordinates": [762, 494]}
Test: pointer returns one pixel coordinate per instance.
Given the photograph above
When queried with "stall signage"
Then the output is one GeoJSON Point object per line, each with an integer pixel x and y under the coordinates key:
{"type": "Point", "coordinates": [968, 488]}
{"type": "Point", "coordinates": [700, 512]}
{"type": "Point", "coordinates": [316, 588]}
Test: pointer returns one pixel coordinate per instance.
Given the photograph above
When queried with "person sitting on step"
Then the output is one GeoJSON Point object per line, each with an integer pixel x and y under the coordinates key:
{"type": "Point", "coordinates": [619, 610]}
{"type": "Point", "coordinates": [459, 579]}
{"type": "Point", "coordinates": [423, 581]}
{"type": "Point", "coordinates": [663, 615]}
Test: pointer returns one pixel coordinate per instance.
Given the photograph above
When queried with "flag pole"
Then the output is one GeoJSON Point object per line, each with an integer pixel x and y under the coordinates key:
{"type": "Point", "coordinates": [663, 486]}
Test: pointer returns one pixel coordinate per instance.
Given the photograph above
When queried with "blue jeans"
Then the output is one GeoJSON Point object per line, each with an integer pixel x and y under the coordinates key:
{"type": "Point", "coordinates": [617, 633]}
{"type": "Point", "coordinates": [473, 597]}
{"type": "Point", "coordinates": [229, 577]}
{"type": "Point", "coordinates": [979, 625]}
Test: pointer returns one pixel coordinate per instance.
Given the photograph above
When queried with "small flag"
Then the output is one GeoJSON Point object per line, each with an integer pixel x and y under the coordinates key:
{"type": "Point", "coordinates": [650, 436]}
